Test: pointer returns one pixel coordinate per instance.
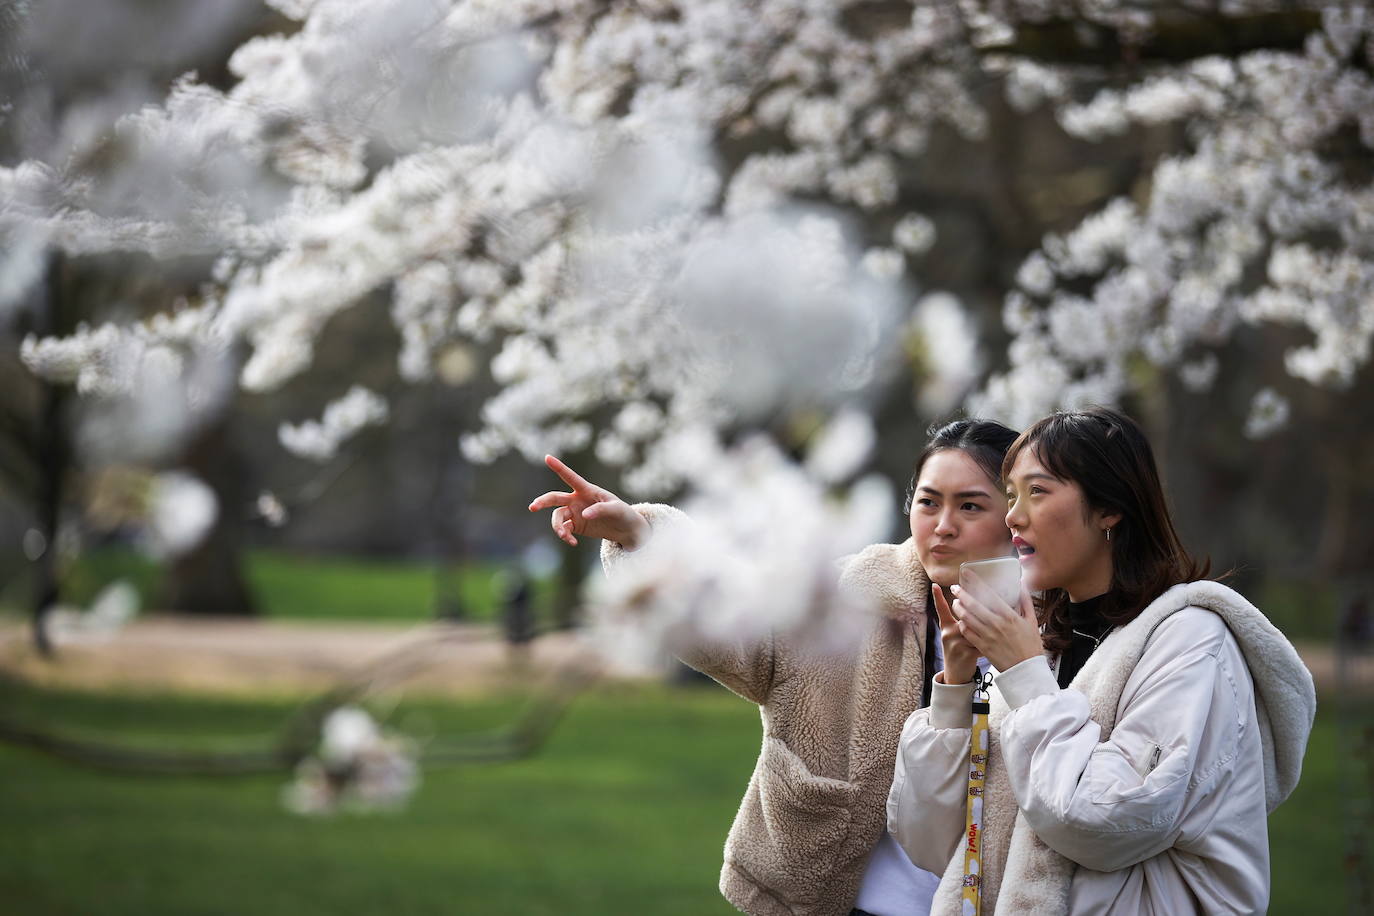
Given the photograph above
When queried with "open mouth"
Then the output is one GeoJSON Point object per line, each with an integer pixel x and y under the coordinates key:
{"type": "Point", "coordinates": [1023, 549]}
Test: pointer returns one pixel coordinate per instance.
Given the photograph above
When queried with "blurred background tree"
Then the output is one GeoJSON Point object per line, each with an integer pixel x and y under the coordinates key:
{"type": "Point", "coordinates": [1022, 206]}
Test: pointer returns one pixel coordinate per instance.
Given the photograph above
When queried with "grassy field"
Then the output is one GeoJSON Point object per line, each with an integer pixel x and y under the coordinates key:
{"type": "Point", "coordinates": [624, 811]}
{"type": "Point", "coordinates": [307, 587]}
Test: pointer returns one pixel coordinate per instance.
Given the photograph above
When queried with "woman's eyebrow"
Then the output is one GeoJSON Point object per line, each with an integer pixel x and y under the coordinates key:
{"type": "Point", "coordinates": [1011, 484]}
{"type": "Point", "coordinates": [962, 494]}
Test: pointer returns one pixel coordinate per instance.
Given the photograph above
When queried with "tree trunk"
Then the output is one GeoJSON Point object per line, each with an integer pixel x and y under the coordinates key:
{"type": "Point", "coordinates": [51, 455]}
{"type": "Point", "coordinates": [448, 500]}
{"type": "Point", "coordinates": [1335, 524]}
{"type": "Point", "coordinates": [571, 572]}
{"type": "Point", "coordinates": [209, 578]}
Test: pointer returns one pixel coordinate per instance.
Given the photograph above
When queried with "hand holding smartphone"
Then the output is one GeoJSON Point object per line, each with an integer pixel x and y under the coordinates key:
{"type": "Point", "coordinates": [1000, 575]}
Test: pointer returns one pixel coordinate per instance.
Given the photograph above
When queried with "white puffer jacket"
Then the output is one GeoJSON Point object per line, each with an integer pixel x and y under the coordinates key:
{"type": "Point", "coordinates": [1142, 788]}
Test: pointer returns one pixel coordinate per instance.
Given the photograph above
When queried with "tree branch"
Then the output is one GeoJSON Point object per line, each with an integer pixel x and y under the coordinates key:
{"type": "Point", "coordinates": [129, 758]}
{"type": "Point", "coordinates": [1178, 36]}
{"type": "Point", "coordinates": [300, 736]}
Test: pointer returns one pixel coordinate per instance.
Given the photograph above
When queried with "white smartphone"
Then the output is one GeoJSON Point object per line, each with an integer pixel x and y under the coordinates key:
{"type": "Point", "coordinates": [1001, 574]}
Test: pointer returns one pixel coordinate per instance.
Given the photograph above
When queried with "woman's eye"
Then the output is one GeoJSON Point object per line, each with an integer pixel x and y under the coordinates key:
{"type": "Point", "coordinates": [971, 507]}
{"type": "Point", "coordinates": [925, 501]}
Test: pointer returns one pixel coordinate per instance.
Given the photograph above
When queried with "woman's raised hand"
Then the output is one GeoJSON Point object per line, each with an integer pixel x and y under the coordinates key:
{"type": "Point", "coordinates": [1005, 635]}
{"type": "Point", "coordinates": [961, 657]}
{"type": "Point", "coordinates": [590, 510]}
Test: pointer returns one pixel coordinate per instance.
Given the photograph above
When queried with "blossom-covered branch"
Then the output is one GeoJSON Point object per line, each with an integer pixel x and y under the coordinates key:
{"type": "Point", "coordinates": [1264, 220]}
{"type": "Point", "coordinates": [671, 221]}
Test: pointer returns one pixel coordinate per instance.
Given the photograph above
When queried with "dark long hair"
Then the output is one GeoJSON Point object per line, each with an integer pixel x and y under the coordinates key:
{"type": "Point", "coordinates": [1107, 455]}
{"type": "Point", "coordinates": [985, 441]}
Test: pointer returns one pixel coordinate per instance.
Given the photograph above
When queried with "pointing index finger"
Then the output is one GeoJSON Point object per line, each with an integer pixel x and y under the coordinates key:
{"type": "Point", "coordinates": [570, 477]}
{"type": "Point", "coordinates": [942, 610]}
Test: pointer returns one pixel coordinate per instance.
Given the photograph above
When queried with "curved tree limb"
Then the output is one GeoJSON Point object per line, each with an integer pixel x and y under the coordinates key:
{"type": "Point", "coordinates": [1178, 36]}
{"type": "Point", "coordinates": [300, 736]}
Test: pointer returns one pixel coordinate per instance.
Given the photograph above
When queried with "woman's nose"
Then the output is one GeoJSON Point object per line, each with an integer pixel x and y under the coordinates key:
{"type": "Point", "coordinates": [945, 523]}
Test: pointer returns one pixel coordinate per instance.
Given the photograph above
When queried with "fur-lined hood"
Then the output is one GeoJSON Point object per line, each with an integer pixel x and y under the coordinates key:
{"type": "Point", "coordinates": [1285, 697]}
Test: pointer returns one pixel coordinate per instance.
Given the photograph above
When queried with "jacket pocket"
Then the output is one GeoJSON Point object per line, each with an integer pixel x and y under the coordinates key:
{"type": "Point", "coordinates": [1140, 796]}
{"type": "Point", "coordinates": [791, 824]}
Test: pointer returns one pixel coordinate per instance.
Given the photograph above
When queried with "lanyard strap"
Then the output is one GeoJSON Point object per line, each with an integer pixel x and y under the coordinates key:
{"type": "Point", "coordinates": [977, 771]}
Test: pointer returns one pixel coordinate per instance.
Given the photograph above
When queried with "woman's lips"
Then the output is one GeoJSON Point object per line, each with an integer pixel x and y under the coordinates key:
{"type": "Point", "coordinates": [941, 550]}
{"type": "Point", "coordinates": [1024, 550]}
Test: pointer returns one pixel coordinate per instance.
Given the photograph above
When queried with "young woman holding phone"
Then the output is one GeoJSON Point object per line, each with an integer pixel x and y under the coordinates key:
{"type": "Point", "coordinates": [810, 836]}
{"type": "Point", "coordinates": [1144, 720]}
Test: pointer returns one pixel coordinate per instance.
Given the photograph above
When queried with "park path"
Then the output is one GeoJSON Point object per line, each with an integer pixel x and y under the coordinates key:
{"type": "Point", "coordinates": [238, 656]}
{"type": "Point", "coordinates": [231, 655]}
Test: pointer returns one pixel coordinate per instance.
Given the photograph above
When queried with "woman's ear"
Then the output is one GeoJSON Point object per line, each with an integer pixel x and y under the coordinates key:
{"type": "Point", "coordinates": [1108, 519]}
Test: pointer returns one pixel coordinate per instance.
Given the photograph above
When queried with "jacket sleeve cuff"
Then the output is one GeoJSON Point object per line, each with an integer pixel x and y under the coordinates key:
{"type": "Point", "coordinates": [1025, 681]}
{"type": "Point", "coordinates": [657, 515]}
{"type": "Point", "coordinates": [951, 705]}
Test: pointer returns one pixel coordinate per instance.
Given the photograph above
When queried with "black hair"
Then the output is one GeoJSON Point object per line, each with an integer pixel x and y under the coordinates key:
{"type": "Point", "coordinates": [985, 441]}
{"type": "Point", "coordinates": [1108, 456]}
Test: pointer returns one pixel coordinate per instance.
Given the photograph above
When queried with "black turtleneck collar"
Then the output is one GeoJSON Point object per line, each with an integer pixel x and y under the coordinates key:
{"type": "Point", "coordinates": [1089, 627]}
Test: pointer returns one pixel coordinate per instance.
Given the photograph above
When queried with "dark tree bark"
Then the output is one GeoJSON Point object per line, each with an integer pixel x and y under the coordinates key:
{"type": "Point", "coordinates": [571, 572]}
{"type": "Point", "coordinates": [448, 501]}
{"type": "Point", "coordinates": [1179, 35]}
{"type": "Point", "coordinates": [209, 579]}
{"type": "Point", "coordinates": [51, 454]}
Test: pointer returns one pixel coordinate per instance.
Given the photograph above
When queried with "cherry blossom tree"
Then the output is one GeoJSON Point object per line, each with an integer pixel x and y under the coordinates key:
{"type": "Point", "coordinates": [64, 74]}
{"type": "Point", "coordinates": [665, 223]}
{"type": "Point", "coordinates": [1261, 217]}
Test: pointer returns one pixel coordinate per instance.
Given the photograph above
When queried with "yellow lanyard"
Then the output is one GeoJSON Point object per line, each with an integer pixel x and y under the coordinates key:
{"type": "Point", "coordinates": [977, 771]}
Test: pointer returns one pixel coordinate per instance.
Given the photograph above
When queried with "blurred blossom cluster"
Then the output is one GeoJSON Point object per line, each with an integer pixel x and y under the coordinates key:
{"type": "Point", "coordinates": [753, 552]}
{"type": "Point", "coordinates": [540, 176]}
{"type": "Point", "coordinates": [319, 440]}
{"type": "Point", "coordinates": [946, 344]}
{"type": "Point", "coordinates": [181, 511]}
{"type": "Point", "coordinates": [543, 176]}
{"type": "Point", "coordinates": [112, 608]}
{"type": "Point", "coordinates": [355, 768]}
{"type": "Point", "coordinates": [149, 386]}
{"type": "Point", "coordinates": [168, 512]}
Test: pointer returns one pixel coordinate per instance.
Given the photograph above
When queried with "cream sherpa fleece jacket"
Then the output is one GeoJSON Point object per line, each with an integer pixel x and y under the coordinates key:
{"type": "Point", "coordinates": [815, 805]}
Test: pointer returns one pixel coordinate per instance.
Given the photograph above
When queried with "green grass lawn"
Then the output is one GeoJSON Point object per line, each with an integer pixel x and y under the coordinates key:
{"type": "Point", "coordinates": [313, 587]}
{"type": "Point", "coordinates": [624, 811]}
{"type": "Point", "coordinates": [309, 587]}
{"type": "Point", "coordinates": [351, 588]}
